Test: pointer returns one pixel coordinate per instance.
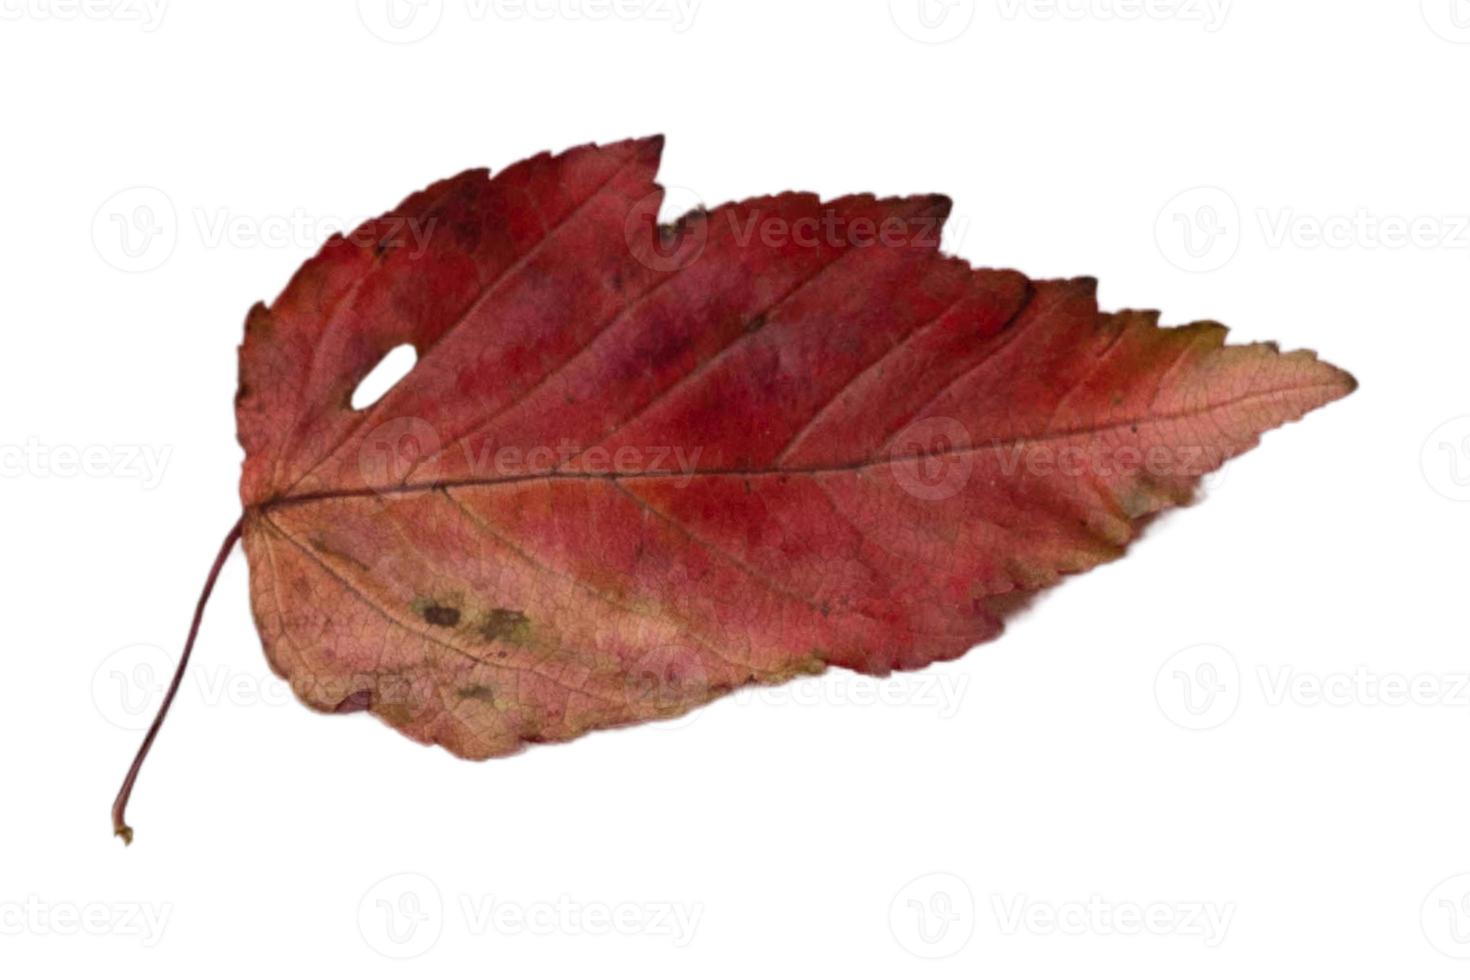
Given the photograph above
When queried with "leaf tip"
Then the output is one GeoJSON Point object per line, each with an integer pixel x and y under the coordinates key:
{"type": "Point", "coordinates": [1339, 382]}
{"type": "Point", "coordinates": [650, 148]}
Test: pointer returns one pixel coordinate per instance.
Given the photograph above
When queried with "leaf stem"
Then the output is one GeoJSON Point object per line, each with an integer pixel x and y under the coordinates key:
{"type": "Point", "coordinates": [119, 806]}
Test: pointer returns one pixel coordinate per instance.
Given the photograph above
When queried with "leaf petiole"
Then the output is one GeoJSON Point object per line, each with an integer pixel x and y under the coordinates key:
{"type": "Point", "coordinates": [119, 806]}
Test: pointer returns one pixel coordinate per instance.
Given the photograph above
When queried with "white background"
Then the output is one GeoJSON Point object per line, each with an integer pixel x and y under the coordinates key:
{"type": "Point", "coordinates": [930, 825]}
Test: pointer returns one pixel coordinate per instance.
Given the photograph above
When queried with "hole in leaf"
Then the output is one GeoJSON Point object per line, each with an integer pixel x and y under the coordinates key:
{"type": "Point", "coordinates": [390, 370]}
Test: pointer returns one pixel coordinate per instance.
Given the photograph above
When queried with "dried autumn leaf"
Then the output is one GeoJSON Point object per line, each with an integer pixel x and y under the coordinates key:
{"type": "Point", "coordinates": [635, 467]}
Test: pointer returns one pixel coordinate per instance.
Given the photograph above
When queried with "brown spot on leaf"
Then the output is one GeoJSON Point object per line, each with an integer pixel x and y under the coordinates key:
{"type": "Point", "coordinates": [504, 624]}
{"type": "Point", "coordinates": [438, 615]}
{"type": "Point", "coordinates": [478, 692]}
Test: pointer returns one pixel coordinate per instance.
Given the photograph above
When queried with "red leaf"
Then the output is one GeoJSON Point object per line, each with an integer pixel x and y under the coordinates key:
{"type": "Point", "coordinates": [635, 468]}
